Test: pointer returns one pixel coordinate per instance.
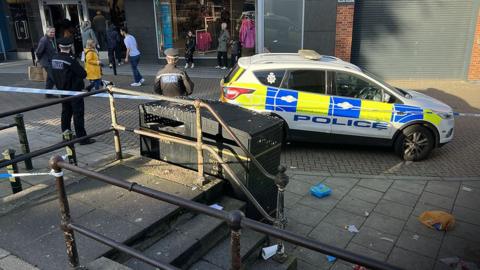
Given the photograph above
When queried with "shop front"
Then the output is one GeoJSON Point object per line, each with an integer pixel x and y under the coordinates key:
{"type": "Point", "coordinates": [26, 21]}
{"type": "Point", "coordinates": [257, 26]}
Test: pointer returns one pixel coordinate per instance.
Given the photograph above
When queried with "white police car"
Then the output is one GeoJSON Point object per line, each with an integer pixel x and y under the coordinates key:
{"type": "Point", "coordinates": [324, 99]}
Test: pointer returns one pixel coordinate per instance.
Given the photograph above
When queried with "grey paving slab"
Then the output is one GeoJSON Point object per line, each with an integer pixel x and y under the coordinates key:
{"type": "Point", "coordinates": [342, 218]}
{"type": "Point", "coordinates": [410, 260]}
{"type": "Point", "coordinates": [305, 215]}
{"type": "Point", "coordinates": [401, 197]}
{"type": "Point", "coordinates": [457, 247]}
{"type": "Point", "coordinates": [381, 185]}
{"type": "Point", "coordinates": [106, 264]}
{"type": "Point", "coordinates": [305, 265]}
{"type": "Point", "coordinates": [467, 231]}
{"type": "Point", "coordinates": [393, 209]}
{"type": "Point", "coordinates": [4, 253]}
{"type": "Point", "coordinates": [366, 194]}
{"type": "Point", "coordinates": [385, 224]}
{"type": "Point", "coordinates": [472, 183]}
{"type": "Point", "coordinates": [291, 199]}
{"type": "Point", "coordinates": [415, 187]}
{"type": "Point", "coordinates": [423, 206]}
{"type": "Point", "coordinates": [204, 265]}
{"type": "Point", "coordinates": [418, 244]}
{"type": "Point", "coordinates": [331, 234]}
{"type": "Point", "coordinates": [20, 228]}
{"type": "Point", "coordinates": [436, 200]}
{"type": "Point", "coordinates": [341, 266]}
{"type": "Point", "coordinates": [416, 227]}
{"type": "Point", "coordinates": [299, 187]}
{"type": "Point", "coordinates": [13, 262]}
{"type": "Point", "coordinates": [468, 197]}
{"type": "Point", "coordinates": [375, 240]}
{"type": "Point", "coordinates": [362, 250]}
{"type": "Point", "coordinates": [299, 228]}
{"type": "Point", "coordinates": [311, 258]}
{"type": "Point", "coordinates": [309, 179]}
{"type": "Point", "coordinates": [467, 215]}
{"type": "Point", "coordinates": [338, 190]}
{"type": "Point", "coordinates": [324, 204]}
{"type": "Point", "coordinates": [348, 182]}
{"type": "Point", "coordinates": [443, 188]}
{"type": "Point", "coordinates": [355, 206]}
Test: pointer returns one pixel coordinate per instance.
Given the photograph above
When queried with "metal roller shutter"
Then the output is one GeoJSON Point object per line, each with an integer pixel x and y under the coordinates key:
{"type": "Point", "coordinates": [407, 39]}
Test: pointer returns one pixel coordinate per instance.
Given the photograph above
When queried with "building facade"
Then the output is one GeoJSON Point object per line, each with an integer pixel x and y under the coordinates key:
{"type": "Point", "coordinates": [396, 39]}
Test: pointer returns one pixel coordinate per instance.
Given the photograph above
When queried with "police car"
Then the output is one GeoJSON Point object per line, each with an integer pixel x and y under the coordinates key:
{"type": "Point", "coordinates": [324, 99]}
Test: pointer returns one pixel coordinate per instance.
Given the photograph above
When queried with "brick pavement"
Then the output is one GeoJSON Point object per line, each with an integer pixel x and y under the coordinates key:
{"type": "Point", "coordinates": [456, 159]}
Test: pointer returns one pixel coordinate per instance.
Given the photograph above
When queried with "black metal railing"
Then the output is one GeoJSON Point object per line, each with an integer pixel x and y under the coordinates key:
{"type": "Point", "coordinates": [235, 219]}
{"type": "Point", "coordinates": [10, 160]}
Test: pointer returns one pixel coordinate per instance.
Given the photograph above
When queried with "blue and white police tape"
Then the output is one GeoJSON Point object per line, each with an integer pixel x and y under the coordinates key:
{"type": "Point", "coordinates": [10, 175]}
{"type": "Point", "coordinates": [73, 93]}
{"type": "Point", "coordinates": [62, 92]}
{"type": "Point", "coordinates": [467, 114]}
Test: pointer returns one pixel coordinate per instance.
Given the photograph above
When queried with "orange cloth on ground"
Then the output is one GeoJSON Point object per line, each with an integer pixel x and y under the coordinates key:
{"type": "Point", "coordinates": [429, 218]}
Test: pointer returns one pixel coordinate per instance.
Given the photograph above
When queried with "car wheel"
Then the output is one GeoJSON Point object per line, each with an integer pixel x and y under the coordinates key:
{"type": "Point", "coordinates": [414, 143]}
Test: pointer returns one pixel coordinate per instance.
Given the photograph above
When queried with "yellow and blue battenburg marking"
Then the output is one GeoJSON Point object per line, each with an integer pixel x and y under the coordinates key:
{"type": "Point", "coordinates": [284, 100]}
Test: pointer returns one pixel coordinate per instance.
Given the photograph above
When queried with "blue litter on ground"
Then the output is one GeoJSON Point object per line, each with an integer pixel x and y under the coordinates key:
{"type": "Point", "coordinates": [331, 258]}
{"type": "Point", "coordinates": [320, 190]}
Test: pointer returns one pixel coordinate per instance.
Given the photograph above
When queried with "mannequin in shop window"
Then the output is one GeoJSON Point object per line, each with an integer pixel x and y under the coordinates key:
{"type": "Point", "coordinates": [223, 41]}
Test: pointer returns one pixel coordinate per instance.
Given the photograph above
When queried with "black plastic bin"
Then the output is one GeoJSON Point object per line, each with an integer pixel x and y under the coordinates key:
{"type": "Point", "coordinates": [260, 134]}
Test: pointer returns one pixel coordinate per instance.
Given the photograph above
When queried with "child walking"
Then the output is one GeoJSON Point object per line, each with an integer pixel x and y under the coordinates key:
{"type": "Point", "coordinates": [93, 66]}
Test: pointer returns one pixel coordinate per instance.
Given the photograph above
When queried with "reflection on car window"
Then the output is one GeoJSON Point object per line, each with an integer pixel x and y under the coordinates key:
{"type": "Point", "coordinates": [270, 77]}
{"type": "Point", "coordinates": [307, 80]}
{"type": "Point", "coordinates": [347, 85]}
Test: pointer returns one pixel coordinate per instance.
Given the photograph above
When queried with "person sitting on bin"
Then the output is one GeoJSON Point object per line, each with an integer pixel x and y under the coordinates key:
{"type": "Point", "coordinates": [171, 81]}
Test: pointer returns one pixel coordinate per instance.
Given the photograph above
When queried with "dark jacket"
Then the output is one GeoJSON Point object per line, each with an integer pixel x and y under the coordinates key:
{"type": "Point", "coordinates": [171, 81]}
{"type": "Point", "coordinates": [67, 73]}
{"type": "Point", "coordinates": [45, 51]}
{"type": "Point", "coordinates": [190, 44]}
{"type": "Point", "coordinates": [113, 38]}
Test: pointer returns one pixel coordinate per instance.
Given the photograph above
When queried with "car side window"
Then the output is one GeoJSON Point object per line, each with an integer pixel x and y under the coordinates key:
{"type": "Point", "coordinates": [270, 77]}
{"type": "Point", "coordinates": [348, 85]}
{"type": "Point", "coordinates": [312, 81]}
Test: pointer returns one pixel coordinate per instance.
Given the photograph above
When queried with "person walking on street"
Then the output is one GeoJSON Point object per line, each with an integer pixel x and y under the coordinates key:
{"type": "Point", "coordinates": [86, 35]}
{"type": "Point", "coordinates": [223, 41]}
{"type": "Point", "coordinates": [100, 27]}
{"type": "Point", "coordinates": [45, 51]}
{"type": "Point", "coordinates": [171, 81]}
{"type": "Point", "coordinates": [113, 45]}
{"type": "Point", "coordinates": [68, 74]}
{"type": "Point", "coordinates": [93, 66]}
{"type": "Point", "coordinates": [190, 44]}
{"type": "Point", "coordinates": [132, 56]}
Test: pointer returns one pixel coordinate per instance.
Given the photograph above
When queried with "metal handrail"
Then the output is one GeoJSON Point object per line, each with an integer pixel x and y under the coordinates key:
{"type": "Point", "coordinates": [50, 103]}
{"type": "Point", "coordinates": [235, 219]}
{"type": "Point", "coordinates": [210, 109]}
{"type": "Point", "coordinates": [237, 182]}
{"type": "Point", "coordinates": [51, 148]}
{"type": "Point", "coordinates": [199, 145]}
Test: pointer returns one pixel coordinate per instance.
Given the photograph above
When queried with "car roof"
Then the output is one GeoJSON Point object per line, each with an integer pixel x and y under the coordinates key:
{"type": "Point", "coordinates": [293, 60]}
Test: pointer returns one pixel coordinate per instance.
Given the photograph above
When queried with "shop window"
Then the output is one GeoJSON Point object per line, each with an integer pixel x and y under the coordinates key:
{"type": "Point", "coordinates": [283, 25]}
{"type": "Point", "coordinates": [175, 18]}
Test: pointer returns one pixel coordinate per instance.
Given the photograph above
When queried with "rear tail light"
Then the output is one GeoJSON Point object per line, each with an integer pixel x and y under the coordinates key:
{"type": "Point", "coordinates": [233, 92]}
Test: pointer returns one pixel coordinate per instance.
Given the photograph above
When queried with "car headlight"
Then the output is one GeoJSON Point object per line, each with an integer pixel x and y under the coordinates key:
{"type": "Point", "coordinates": [444, 115]}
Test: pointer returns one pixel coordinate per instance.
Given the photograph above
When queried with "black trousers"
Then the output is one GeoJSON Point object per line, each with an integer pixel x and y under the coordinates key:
{"type": "Point", "coordinates": [189, 57]}
{"type": "Point", "coordinates": [222, 59]}
{"type": "Point", "coordinates": [115, 52]}
{"type": "Point", "coordinates": [234, 59]}
{"type": "Point", "coordinates": [75, 108]}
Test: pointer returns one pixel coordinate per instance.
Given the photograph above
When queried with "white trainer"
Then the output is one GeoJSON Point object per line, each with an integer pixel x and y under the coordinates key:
{"type": "Point", "coordinates": [192, 65]}
{"type": "Point", "coordinates": [135, 84]}
{"type": "Point", "coordinates": [142, 80]}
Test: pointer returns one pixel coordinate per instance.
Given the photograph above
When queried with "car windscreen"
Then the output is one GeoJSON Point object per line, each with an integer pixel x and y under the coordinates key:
{"type": "Point", "coordinates": [380, 80]}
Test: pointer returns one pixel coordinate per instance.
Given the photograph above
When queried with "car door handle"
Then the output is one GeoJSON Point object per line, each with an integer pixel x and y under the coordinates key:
{"type": "Point", "coordinates": [401, 113]}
